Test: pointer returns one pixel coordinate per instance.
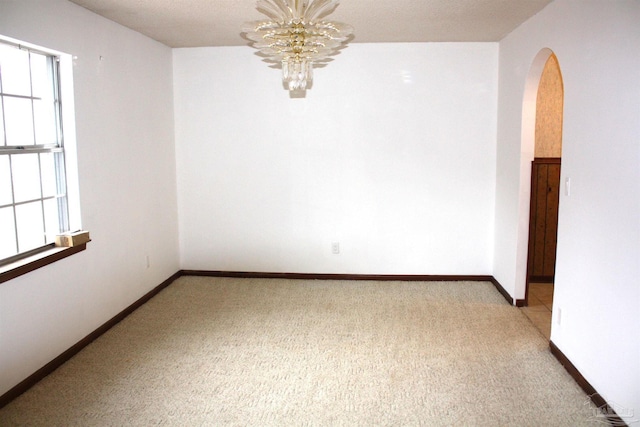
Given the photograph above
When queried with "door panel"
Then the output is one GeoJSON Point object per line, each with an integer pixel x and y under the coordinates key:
{"type": "Point", "coordinates": [543, 228]}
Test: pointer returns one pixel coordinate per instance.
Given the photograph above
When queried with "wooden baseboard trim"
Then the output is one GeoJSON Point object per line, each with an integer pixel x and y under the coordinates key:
{"type": "Point", "coordinates": [72, 351]}
{"type": "Point", "coordinates": [331, 276]}
{"type": "Point", "coordinates": [502, 291]}
{"type": "Point", "coordinates": [608, 412]}
{"type": "Point", "coordinates": [378, 277]}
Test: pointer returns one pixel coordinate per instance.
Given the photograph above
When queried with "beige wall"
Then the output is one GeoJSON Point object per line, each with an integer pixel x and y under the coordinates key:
{"type": "Point", "coordinates": [549, 111]}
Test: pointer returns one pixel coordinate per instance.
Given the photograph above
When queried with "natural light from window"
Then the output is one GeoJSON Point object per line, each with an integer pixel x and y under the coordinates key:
{"type": "Point", "coordinates": [36, 142]}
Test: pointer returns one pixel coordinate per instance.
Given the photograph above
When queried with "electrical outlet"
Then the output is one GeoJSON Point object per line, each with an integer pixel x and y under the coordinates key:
{"type": "Point", "coordinates": [559, 316]}
{"type": "Point", "coordinates": [148, 261]}
{"type": "Point", "coordinates": [335, 248]}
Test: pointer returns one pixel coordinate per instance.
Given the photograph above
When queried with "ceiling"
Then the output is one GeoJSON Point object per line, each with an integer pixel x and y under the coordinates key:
{"type": "Point", "coordinates": [197, 23]}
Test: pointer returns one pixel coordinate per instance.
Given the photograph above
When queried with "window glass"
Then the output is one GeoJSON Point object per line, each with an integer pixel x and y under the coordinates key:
{"type": "Point", "coordinates": [26, 177]}
{"type": "Point", "coordinates": [5, 182]}
{"type": "Point", "coordinates": [44, 113]}
{"type": "Point", "coordinates": [30, 226]}
{"type": "Point", "coordinates": [48, 168]}
{"type": "Point", "coordinates": [15, 70]}
{"type": "Point", "coordinates": [1, 121]}
{"type": "Point", "coordinates": [41, 77]}
{"type": "Point", "coordinates": [51, 223]}
{"type": "Point", "coordinates": [18, 117]}
{"type": "Point", "coordinates": [7, 231]}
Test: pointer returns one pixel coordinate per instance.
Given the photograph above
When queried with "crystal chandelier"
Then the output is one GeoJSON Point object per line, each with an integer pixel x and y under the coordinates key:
{"type": "Point", "coordinates": [296, 36]}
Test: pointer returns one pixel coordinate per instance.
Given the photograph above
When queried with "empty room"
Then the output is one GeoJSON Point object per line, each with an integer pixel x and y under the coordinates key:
{"type": "Point", "coordinates": [218, 212]}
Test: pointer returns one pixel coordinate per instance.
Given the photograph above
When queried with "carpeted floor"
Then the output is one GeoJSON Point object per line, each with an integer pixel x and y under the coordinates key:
{"type": "Point", "coordinates": [211, 351]}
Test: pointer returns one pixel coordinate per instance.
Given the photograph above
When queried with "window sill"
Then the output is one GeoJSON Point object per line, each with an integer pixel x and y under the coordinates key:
{"type": "Point", "coordinates": [34, 262]}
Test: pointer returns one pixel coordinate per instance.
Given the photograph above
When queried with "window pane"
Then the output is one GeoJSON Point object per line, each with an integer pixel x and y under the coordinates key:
{"type": "Point", "coordinates": [51, 223]}
{"type": "Point", "coordinates": [5, 181]}
{"type": "Point", "coordinates": [26, 177]}
{"type": "Point", "coordinates": [7, 231]}
{"type": "Point", "coordinates": [2, 142]}
{"type": "Point", "coordinates": [41, 76]}
{"type": "Point", "coordinates": [15, 70]}
{"type": "Point", "coordinates": [30, 226]}
{"type": "Point", "coordinates": [44, 109]}
{"type": "Point", "coordinates": [18, 117]}
{"type": "Point", "coordinates": [45, 122]}
{"type": "Point", "coordinates": [63, 213]}
{"type": "Point", "coordinates": [48, 168]}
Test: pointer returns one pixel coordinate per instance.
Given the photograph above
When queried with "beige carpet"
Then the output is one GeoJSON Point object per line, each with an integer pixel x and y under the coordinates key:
{"type": "Point", "coordinates": [210, 351]}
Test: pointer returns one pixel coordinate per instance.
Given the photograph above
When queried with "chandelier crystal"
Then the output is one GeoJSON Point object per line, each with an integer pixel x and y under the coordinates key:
{"type": "Point", "coordinates": [296, 36]}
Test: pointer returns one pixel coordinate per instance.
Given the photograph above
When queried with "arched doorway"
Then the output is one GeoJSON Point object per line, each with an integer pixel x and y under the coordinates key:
{"type": "Point", "coordinates": [542, 150]}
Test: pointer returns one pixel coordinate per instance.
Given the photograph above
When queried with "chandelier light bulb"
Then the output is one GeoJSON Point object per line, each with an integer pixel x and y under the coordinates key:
{"type": "Point", "coordinates": [296, 36]}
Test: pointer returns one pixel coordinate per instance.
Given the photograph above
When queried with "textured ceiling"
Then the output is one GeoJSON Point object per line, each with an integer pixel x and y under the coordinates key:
{"type": "Point", "coordinates": [195, 23]}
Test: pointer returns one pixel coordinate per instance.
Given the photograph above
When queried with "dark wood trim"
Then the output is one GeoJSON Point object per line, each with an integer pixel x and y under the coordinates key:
{"type": "Point", "coordinates": [37, 261]}
{"type": "Point", "coordinates": [73, 350]}
{"type": "Point", "coordinates": [607, 411]}
{"type": "Point", "coordinates": [500, 289]}
{"type": "Point", "coordinates": [548, 160]}
{"type": "Point", "coordinates": [373, 277]}
{"type": "Point", "coordinates": [378, 277]}
{"type": "Point", "coordinates": [541, 279]}
{"type": "Point", "coordinates": [331, 276]}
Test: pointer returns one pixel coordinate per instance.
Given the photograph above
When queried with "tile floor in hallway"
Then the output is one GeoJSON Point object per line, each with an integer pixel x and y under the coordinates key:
{"type": "Point", "coordinates": [540, 306]}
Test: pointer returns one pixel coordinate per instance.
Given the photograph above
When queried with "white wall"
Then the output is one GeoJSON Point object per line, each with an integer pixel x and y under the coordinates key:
{"type": "Point", "coordinates": [598, 260]}
{"type": "Point", "coordinates": [126, 162]}
{"type": "Point", "coordinates": [391, 154]}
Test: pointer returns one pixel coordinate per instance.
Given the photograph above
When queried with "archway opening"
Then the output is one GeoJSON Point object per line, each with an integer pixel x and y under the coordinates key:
{"type": "Point", "coordinates": [542, 152]}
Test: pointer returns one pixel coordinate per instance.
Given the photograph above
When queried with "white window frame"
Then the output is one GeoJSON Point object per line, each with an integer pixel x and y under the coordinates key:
{"type": "Point", "coordinates": [67, 168]}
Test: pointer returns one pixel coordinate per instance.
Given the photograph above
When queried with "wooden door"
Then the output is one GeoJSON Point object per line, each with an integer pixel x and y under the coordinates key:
{"type": "Point", "coordinates": [543, 221]}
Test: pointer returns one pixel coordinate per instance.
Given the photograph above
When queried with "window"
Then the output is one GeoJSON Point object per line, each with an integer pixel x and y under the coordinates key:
{"type": "Point", "coordinates": [34, 196]}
